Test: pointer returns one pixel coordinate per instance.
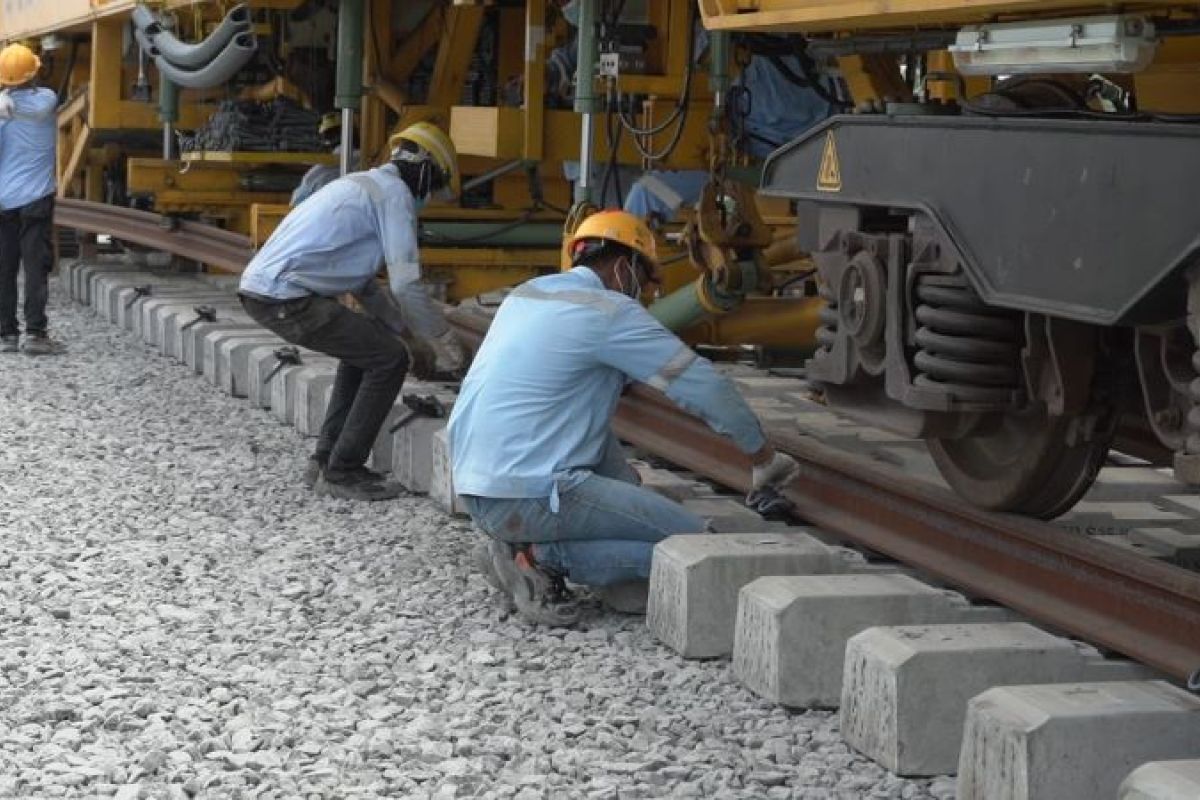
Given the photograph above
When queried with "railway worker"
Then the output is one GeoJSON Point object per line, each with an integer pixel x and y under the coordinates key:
{"type": "Point", "coordinates": [778, 109]}
{"type": "Point", "coordinates": [320, 175]}
{"type": "Point", "coordinates": [28, 139]}
{"type": "Point", "coordinates": [333, 244]}
{"type": "Point", "coordinates": [533, 457]}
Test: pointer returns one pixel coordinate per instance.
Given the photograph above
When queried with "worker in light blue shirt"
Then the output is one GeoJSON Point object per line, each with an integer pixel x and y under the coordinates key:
{"type": "Point", "coordinates": [28, 139]}
{"type": "Point", "coordinates": [334, 244]}
{"type": "Point", "coordinates": [533, 456]}
{"type": "Point", "coordinates": [321, 175]}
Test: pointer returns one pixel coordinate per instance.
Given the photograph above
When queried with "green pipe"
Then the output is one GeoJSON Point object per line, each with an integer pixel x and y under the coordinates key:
{"type": "Point", "coordinates": [168, 100]}
{"type": "Point", "coordinates": [349, 55]}
{"type": "Point", "coordinates": [718, 68]}
{"type": "Point", "coordinates": [682, 308]}
{"type": "Point", "coordinates": [491, 234]}
{"type": "Point", "coordinates": [586, 101]}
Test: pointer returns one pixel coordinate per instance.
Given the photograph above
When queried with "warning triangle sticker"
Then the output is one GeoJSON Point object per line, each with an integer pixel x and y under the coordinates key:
{"type": "Point", "coordinates": [829, 179]}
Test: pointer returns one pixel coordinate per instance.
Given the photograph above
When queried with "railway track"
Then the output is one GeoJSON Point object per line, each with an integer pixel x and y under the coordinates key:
{"type": "Point", "coordinates": [1124, 602]}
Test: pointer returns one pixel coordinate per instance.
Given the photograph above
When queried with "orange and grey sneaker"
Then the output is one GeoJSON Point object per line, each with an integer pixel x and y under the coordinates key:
{"type": "Point", "coordinates": [538, 595]}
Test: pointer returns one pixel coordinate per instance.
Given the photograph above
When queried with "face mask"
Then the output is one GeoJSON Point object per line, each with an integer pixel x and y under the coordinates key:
{"type": "Point", "coordinates": [570, 13]}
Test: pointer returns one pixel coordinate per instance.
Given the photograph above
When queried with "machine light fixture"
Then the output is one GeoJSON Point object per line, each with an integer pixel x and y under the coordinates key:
{"type": "Point", "coordinates": [1115, 43]}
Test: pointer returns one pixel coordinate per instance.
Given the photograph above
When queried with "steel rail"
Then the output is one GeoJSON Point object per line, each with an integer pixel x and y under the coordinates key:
{"type": "Point", "coordinates": [218, 248]}
{"type": "Point", "coordinates": [1133, 605]}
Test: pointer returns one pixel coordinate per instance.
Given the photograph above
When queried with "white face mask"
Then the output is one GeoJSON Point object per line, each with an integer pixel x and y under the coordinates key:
{"type": "Point", "coordinates": [570, 13]}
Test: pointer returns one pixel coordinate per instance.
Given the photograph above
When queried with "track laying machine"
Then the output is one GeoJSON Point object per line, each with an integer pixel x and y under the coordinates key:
{"type": "Point", "coordinates": [1004, 223]}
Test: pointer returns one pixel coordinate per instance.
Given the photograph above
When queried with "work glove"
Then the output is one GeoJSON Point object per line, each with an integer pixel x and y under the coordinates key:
{"type": "Point", "coordinates": [6, 105]}
{"type": "Point", "coordinates": [451, 355]}
{"type": "Point", "coordinates": [774, 474]}
{"type": "Point", "coordinates": [767, 482]}
{"type": "Point", "coordinates": [422, 360]}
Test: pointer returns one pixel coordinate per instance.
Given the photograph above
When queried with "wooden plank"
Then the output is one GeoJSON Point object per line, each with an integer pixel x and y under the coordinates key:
{"type": "Point", "coordinates": [460, 34]}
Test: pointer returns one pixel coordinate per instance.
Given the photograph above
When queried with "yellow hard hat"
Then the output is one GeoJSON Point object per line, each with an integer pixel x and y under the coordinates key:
{"type": "Point", "coordinates": [620, 227]}
{"type": "Point", "coordinates": [329, 122]}
{"type": "Point", "coordinates": [18, 65]}
{"type": "Point", "coordinates": [434, 141]}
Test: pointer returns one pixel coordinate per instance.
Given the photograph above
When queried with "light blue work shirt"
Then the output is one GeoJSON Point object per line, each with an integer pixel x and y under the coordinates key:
{"type": "Point", "coordinates": [334, 243]}
{"type": "Point", "coordinates": [28, 143]}
{"type": "Point", "coordinates": [533, 415]}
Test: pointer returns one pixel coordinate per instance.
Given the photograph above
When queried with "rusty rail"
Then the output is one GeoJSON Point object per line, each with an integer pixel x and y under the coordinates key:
{"type": "Point", "coordinates": [1135, 606]}
{"type": "Point", "coordinates": [224, 250]}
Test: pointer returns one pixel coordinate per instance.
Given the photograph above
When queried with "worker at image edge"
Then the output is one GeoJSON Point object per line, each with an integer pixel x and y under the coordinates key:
{"type": "Point", "coordinates": [533, 456]}
{"type": "Point", "coordinates": [28, 146]}
{"type": "Point", "coordinates": [332, 244]}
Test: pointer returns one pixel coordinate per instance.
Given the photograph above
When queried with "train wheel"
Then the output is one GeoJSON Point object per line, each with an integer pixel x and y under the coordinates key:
{"type": "Point", "coordinates": [1029, 463]}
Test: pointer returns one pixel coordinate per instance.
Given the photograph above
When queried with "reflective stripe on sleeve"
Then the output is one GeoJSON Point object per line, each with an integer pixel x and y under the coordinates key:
{"type": "Point", "coordinates": [674, 367]}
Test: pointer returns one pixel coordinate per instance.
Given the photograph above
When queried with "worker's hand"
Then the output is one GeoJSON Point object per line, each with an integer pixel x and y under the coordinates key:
{"type": "Point", "coordinates": [773, 473]}
{"type": "Point", "coordinates": [422, 360]}
{"type": "Point", "coordinates": [6, 105]}
{"type": "Point", "coordinates": [451, 355]}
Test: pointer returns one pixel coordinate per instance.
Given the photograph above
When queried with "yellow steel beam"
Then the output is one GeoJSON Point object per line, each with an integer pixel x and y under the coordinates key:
{"type": "Point", "coordinates": [535, 79]}
{"type": "Point", "coordinates": [75, 161]}
{"type": "Point", "coordinates": [404, 60]}
{"type": "Point", "coordinates": [459, 36]}
{"type": "Point", "coordinates": [104, 111]}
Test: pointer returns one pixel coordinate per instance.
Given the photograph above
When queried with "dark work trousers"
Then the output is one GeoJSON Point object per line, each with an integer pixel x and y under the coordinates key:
{"type": "Point", "coordinates": [26, 237]}
{"type": "Point", "coordinates": [371, 368]}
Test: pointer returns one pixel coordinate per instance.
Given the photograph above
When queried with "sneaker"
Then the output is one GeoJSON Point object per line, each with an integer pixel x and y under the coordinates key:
{"type": "Point", "coordinates": [359, 483]}
{"type": "Point", "coordinates": [312, 470]}
{"type": "Point", "coordinates": [481, 559]}
{"type": "Point", "coordinates": [39, 344]}
{"type": "Point", "coordinates": [631, 597]}
{"type": "Point", "coordinates": [538, 596]}
{"type": "Point", "coordinates": [10, 343]}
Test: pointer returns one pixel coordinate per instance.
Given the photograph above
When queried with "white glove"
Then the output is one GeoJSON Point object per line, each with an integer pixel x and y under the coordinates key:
{"type": "Point", "coordinates": [774, 474]}
{"type": "Point", "coordinates": [451, 355]}
{"type": "Point", "coordinates": [6, 105]}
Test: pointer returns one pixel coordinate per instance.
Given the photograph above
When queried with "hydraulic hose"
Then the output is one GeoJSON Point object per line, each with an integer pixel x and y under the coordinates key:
{"type": "Point", "coordinates": [162, 43]}
{"type": "Point", "coordinates": [235, 56]}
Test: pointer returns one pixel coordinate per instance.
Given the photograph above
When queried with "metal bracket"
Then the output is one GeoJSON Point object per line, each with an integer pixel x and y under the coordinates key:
{"type": "Point", "coordinates": [285, 356]}
{"type": "Point", "coordinates": [203, 314]}
{"type": "Point", "coordinates": [138, 293]}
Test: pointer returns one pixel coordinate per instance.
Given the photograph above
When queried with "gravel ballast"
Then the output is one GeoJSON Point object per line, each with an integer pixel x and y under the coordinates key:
{"type": "Point", "coordinates": [180, 617]}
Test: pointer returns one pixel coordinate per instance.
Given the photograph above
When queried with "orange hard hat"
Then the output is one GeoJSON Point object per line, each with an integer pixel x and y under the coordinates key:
{"type": "Point", "coordinates": [18, 65]}
{"type": "Point", "coordinates": [622, 228]}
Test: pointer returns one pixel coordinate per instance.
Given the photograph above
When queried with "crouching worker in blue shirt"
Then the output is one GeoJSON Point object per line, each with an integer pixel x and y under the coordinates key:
{"type": "Point", "coordinates": [333, 244]}
{"type": "Point", "coordinates": [533, 456]}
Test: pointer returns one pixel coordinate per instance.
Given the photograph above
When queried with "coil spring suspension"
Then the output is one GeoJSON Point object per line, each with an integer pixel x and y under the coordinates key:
{"type": "Point", "coordinates": [966, 349]}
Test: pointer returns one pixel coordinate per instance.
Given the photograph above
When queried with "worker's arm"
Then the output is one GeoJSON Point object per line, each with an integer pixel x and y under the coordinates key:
{"type": "Point", "coordinates": [401, 252]}
{"type": "Point", "coordinates": [639, 346]}
{"type": "Point", "coordinates": [398, 231]}
{"type": "Point", "coordinates": [380, 305]}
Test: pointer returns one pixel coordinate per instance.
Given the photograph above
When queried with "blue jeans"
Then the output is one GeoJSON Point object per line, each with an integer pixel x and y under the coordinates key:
{"type": "Point", "coordinates": [604, 531]}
